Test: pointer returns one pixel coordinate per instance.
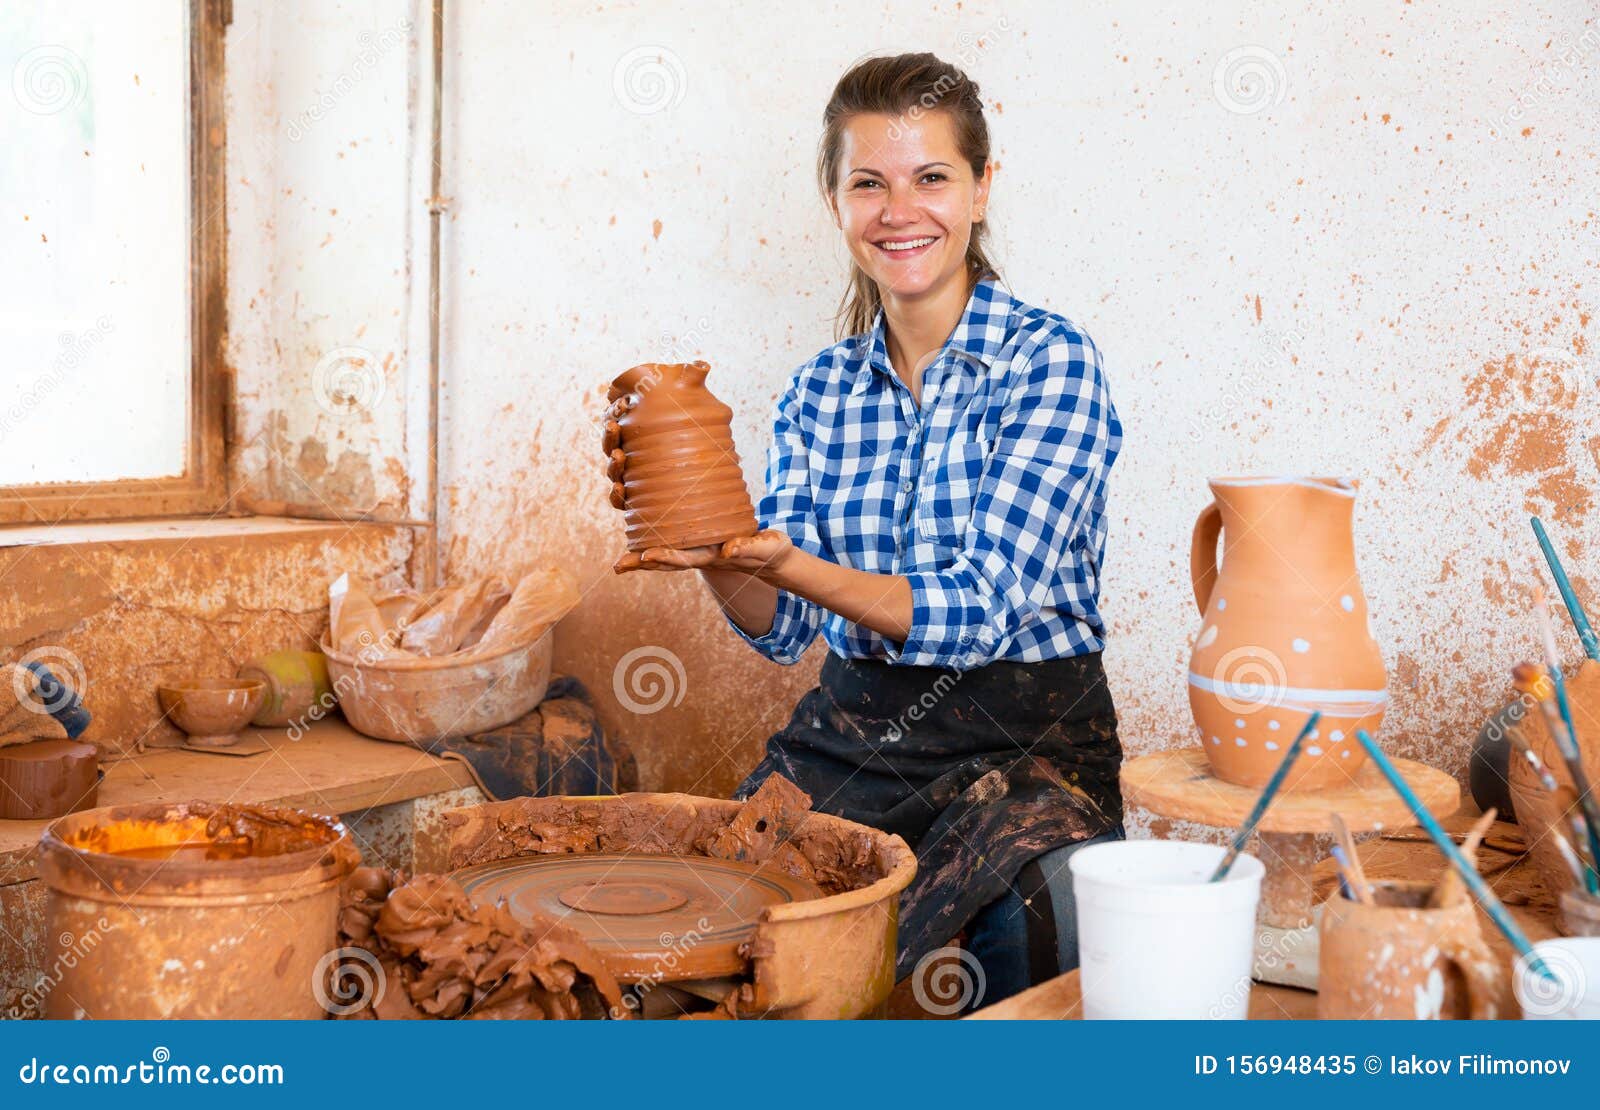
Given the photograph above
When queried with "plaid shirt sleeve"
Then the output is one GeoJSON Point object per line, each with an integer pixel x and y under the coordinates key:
{"type": "Point", "coordinates": [1043, 479]}
{"type": "Point", "coordinates": [787, 506]}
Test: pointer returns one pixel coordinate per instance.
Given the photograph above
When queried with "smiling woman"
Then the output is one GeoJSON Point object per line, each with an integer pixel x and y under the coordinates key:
{"type": "Point", "coordinates": [935, 510]}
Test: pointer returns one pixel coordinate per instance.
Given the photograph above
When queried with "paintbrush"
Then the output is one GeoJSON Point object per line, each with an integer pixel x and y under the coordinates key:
{"type": "Point", "coordinates": [1580, 870]}
{"type": "Point", "coordinates": [1566, 736]}
{"type": "Point", "coordinates": [1347, 882]}
{"type": "Point", "coordinates": [1520, 742]}
{"type": "Point", "coordinates": [1539, 685]}
{"type": "Point", "coordinates": [1580, 620]}
{"type": "Point", "coordinates": [1580, 835]}
{"type": "Point", "coordinates": [1267, 793]}
{"type": "Point", "coordinates": [1447, 891]}
{"type": "Point", "coordinates": [1486, 897]}
{"type": "Point", "coordinates": [1341, 832]}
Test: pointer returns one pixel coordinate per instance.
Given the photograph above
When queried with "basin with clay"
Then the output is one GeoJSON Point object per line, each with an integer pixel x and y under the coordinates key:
{"type": "Point", "coordinates": [791, 914]}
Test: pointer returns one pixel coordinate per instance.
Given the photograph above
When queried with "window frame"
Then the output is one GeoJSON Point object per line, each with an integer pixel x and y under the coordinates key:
{"type": "Point", "coordinates": [202, 488]}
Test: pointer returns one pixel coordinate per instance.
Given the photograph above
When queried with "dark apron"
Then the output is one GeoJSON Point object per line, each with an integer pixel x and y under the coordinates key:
{"type": "Point", "coordinates": [980, 771]}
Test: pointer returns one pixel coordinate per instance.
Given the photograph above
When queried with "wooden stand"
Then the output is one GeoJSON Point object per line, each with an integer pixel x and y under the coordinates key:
{"type": "Point", "coordinates": [1179, 784]}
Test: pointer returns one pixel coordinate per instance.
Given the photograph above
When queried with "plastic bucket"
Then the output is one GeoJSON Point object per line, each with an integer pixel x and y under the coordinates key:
{"type": "Point", "coordinates": [1155, 939]}
{"type": "Point", "coordinates": [1575, 993]}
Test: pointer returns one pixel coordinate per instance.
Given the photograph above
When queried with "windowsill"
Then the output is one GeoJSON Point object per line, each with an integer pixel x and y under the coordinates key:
{"type": "Point", "coordinates": [162, 529]}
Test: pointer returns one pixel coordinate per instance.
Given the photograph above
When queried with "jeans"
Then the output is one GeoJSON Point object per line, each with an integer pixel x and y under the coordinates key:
{"type": "Point", "coordinates": [1000, 937]}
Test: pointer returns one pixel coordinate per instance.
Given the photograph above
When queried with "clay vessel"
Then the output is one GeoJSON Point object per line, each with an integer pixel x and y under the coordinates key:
{"type": "Point", "coordinates": [674, 471]}
{"type": "Point", "coordinates": [1543, 815]}
{"type": "Point", "coordinates": [422, 699]}
{"type": "Point", "coordinates": [192, 910]}
{"type": "Point", "coordinates": [1284, 632]}
{"type": "Point", "coordinates": [830, 957]}
{"type": "Point", "coordinates": [1398, 959]}
{"type": "Point", "coordinates": [212, 710]}
{"type": "Point", "coordinates": [295, 682]}
{"type": "Point", "coordinates": [48, 778]}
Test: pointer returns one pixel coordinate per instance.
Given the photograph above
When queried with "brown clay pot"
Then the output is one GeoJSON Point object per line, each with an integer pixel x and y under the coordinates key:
{"type": "Point", "coordinates": [1543, 815]}
{"type": "Point", "coordinates": [212, 710]}
{"type": "Point", "coordinates": [192, 910]}
{"type": "Point", "coordinates": [1399, 959]}
{"type": "Point", "coordinates": [1284, 632]}
{"type": "Point", "coordinates": [48, 778]}
{"type": "Point", "coordinates": [674, 471]}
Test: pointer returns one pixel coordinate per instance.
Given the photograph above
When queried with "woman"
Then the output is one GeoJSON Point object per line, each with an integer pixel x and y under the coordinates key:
{"type": "Point", "coordinates": [934, 507]}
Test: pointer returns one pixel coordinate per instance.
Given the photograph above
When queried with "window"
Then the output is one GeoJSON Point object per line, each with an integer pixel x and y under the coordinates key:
{"type": "Point", "coordinates": [111, 289]}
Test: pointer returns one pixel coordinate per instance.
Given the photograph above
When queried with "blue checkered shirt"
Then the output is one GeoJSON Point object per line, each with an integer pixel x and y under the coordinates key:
{"type": "Point", "coordinates": [990, 498]}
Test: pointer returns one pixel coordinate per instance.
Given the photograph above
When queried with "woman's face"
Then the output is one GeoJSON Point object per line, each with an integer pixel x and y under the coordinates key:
{"type": "Point", "coordinates": [906, 201]}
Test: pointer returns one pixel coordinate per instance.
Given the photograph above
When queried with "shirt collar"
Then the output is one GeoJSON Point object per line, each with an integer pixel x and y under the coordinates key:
{"type": "Point", "coordinates": [978, 335]}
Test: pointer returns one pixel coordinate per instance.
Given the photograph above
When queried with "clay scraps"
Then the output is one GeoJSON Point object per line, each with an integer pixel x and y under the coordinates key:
{"type": "Point", "coordinates": [442, 957]}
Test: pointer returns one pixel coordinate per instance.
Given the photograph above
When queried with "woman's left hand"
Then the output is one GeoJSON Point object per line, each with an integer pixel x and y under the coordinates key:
{"type": "Point", "coordinates": [761, 555]}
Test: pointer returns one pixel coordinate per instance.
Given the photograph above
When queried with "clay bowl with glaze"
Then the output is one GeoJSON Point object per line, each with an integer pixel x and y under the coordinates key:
{"type": "Point", "coordinates": [212, 710]}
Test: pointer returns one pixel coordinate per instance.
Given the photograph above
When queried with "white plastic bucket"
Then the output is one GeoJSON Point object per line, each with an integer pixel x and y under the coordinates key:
{"type": "Point", "coordinates": [1155, 939]}
{"type": "Point", "coordinates": [1575, 994]}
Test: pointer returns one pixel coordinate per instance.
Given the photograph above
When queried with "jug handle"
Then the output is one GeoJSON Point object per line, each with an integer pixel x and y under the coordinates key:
{"type": "Point", "coordinates": [1203, 554]}
{"type": "Point", "coordinates": [1484, 976]}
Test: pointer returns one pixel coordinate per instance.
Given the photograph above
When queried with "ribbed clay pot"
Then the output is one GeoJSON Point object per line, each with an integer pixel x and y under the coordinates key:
{"type": "Point", "coordinates": [675, 473]}
{"type": "Point", "coordinates": [1284, 632]}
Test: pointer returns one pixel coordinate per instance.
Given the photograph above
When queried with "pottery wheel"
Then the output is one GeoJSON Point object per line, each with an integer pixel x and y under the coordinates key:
{"type": "Point", "coordinates": [649, 917]}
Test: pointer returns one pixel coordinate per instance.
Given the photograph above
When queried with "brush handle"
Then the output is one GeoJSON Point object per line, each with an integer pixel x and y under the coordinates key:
{"type": "Point", "coordinates": [1567, 745]}
{"type": "Point", "coordinates": [1580, 620]}
{"type": "Point", "coordinates": [1245, 830]}
{"type": "Point", "coordinates": [1486, 898]}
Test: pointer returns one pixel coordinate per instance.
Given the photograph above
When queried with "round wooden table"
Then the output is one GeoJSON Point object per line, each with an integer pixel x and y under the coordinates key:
{"type": "Point", "coordinates": [1179, 784]}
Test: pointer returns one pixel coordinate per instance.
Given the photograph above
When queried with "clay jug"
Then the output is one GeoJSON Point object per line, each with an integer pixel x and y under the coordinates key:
{"type": "Point", "coordinates": [674, 471]}
{"type": "Point", "coordinates": [1401, 959]}
{"type": "Point", "coordinates": [1284, 632]}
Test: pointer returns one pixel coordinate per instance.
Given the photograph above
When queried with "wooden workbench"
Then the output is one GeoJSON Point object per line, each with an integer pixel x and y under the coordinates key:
{"type": "Point", "coordinates": [1405, 854]}
{"type": "Point", "coordinates": [330, 769]}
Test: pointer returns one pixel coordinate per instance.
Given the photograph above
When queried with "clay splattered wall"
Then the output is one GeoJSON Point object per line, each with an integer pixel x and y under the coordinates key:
{"type": "Point", "coordinates": [1354, 240]}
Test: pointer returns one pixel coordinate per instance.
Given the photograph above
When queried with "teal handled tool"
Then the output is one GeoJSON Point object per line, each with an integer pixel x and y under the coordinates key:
{"type": "Point", "coordinates": [1469, 874]}
{"type": "Point", "coordinates": [1241, 837]}
{"type": "Point", "coordinates": [1580, 620]}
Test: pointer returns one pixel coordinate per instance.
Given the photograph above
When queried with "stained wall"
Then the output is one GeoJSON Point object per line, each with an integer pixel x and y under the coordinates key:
{"type": "Point", "coordinates": [1354, 239]}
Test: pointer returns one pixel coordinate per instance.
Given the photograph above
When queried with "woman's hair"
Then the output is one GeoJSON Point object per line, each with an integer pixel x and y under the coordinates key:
{"type": "Point", "coordinates": [908, 86]}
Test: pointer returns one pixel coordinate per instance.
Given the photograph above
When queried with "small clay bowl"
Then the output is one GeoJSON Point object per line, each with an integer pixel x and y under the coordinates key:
{"type": "Point", "coordinates": [212, 710]}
